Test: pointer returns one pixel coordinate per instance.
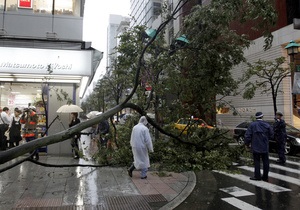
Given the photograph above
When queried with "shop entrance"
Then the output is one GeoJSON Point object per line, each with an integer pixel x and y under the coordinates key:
{"type": "Point", "coordinates": [22, 95]}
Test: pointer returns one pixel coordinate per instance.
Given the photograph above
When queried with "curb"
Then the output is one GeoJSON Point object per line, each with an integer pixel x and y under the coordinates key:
{"type": "Point", "coordinates": [191, 183]}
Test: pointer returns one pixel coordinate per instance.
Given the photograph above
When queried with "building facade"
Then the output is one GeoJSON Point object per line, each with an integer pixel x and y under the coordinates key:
{"type": "Point", "coordinates": [144, 12]}
{"type": "Point", "coordinates": [41, 46]}
{"type": "Point", "coordinates": [117, 24]}
{"type": "Point", "coordinates": [283, 33]}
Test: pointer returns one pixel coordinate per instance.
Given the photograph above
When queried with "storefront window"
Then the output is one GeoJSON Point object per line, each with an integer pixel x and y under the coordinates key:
{"type": "Point", "coordinates": [1, 5]}
{"type": "Point", "coordinates": [11, 5]}
{"type": "Point", "coordinates": [42, 6]}
{"type": "Point", "coordinates": [62, 7]}
{"type": "Point", "coordinates": [67, 7]}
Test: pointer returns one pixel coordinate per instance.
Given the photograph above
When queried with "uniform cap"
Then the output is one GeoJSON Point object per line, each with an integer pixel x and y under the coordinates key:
{"type": "Point", "coordinates": [259, 115]}
{"type": "Point", "coordinates": [279, 113]}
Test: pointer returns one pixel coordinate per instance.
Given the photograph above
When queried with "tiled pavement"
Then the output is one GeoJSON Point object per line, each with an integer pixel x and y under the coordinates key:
{"type": "Point", "coordinates": [31, 186]}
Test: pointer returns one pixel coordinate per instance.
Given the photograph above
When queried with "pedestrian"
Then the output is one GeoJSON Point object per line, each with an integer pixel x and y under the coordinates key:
{"type": "Point", "coordinates": [257, 137]}
{"type": "Point", "coordinates": [103, 129]}
{"type": "Point", "coordinates": [141, 143]}
{"type": "Point", "coordinates": [4, 124]}
{"type": "Point", "coordinates": [15, 129]}
{"type": "Point", "coordinates": [280, 137]}
{"type": "Point", "coordinates": [30, 119]}
{"type": "Point", "coordinates": [74, 141]}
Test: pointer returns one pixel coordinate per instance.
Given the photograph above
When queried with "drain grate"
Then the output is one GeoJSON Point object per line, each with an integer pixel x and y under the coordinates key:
{"type": "Point", "coordinates": [155, 198]}
{"type": "Point", "coordinates": [134, 202]}
{"type": "Point", "coordinates": [62, 208]}
{"type": "Point", "coordinates": [34, 202]}
{"type": "Point", "coordinates": [127, 202]}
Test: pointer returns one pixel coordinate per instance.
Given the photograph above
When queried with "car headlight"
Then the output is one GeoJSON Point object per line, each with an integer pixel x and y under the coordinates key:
{"type": "Point", "coordinates": [298, 140]}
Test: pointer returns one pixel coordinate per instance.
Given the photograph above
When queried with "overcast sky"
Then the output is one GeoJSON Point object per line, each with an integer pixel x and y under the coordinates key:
{"type": "Point", "coordinates": [95, 23]}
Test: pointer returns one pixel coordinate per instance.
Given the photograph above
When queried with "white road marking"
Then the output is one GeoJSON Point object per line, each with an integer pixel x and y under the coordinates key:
{"type": "Point", "coordinates": [240, 204]}
{"type": "Point", "coordinates": [236, 191]}
{"type": "Point", "coordinates": [292, 170]}
{"type": "Point", "coordinates": [287, 161]}
{"type": "Point", "coordinates": [276, 176]}
{"type": "Point", "coordinates": [265, 185]}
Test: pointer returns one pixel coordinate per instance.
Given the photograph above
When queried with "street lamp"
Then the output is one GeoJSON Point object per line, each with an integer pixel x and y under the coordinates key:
{"type": "Point", "coordinates": [293, 49]}
{"type": "Point", "coordinates": [150, 33]}
{"type": "Point", "coordinates": [178, 43]}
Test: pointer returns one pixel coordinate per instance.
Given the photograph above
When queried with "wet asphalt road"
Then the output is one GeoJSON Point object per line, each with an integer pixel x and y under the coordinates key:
{"type": "Point", "coordinates": [218, 190]}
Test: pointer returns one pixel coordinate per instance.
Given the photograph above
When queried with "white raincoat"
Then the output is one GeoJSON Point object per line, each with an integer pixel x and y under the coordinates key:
{"type": "Point", "coordinates": [141, 143]}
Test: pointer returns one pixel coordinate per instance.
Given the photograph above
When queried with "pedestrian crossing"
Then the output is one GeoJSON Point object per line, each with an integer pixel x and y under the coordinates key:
{"type": "Point", "coordinates": [283, 179]}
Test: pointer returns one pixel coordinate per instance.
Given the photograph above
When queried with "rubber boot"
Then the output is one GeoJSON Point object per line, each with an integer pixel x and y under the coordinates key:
{"type": "Point", "coordinates": [130, 170]}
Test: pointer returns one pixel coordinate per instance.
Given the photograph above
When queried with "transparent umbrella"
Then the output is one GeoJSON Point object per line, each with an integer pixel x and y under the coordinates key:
{"type": "Point", "coordinates": [93, 114]}
{"type": "Point", "coordinates": [69, 108]}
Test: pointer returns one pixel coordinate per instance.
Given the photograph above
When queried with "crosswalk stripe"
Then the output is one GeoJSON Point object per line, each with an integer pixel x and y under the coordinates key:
{"type": "Point", "coordinates": [236, 191]}
{"type": "Point", "coordinates": [292, 170]}
{"type": "Point", "coordinates": [240, 204]}
{"type": "Point", "coordinates": [273, 158]}
{"type": "Point", "coordinates": [276, 176]}
{"type": "Point", "coordinates": [265, 185]}
{"type": "Point", "coordinates": [287, 161]}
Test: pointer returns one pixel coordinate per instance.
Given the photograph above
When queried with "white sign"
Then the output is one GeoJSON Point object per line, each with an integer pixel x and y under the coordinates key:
{"type": "Point", "coordinates": [37, 61]}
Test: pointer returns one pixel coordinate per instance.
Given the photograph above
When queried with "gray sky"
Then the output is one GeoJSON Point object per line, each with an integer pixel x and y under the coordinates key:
{"type": "Point", "coordinates": [95, 23]}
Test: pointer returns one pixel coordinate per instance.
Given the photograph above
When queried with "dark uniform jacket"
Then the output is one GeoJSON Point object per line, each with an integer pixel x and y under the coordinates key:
{"type": "Point", "coordinates": [258, 134]}
{"type": "Point", "coordinates": [279, 130]}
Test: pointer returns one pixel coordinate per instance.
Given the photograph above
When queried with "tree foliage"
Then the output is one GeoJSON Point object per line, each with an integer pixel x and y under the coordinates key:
{"type": "Point", "coordinates": [183, 84]}
{"type": "Point", "coordinates": [270, 75]}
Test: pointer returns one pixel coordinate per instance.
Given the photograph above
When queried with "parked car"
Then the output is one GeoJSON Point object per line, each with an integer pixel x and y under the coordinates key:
{"type": "Point", "coordinates": [184, 124]}
{"type": "Point", "coordinates": [292, 141]}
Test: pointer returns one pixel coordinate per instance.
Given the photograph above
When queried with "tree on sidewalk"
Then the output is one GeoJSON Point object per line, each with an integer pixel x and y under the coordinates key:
{"type": "Point", "coordinates": [195, 74]}
{"type": "Point", "coordinates": [270, 75]}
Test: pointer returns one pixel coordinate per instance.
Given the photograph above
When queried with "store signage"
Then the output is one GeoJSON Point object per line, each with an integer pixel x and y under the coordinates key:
{"type": "Point", "coordinates": [38, 61]}
{"type": "Point", "coordinates": [25, 4]}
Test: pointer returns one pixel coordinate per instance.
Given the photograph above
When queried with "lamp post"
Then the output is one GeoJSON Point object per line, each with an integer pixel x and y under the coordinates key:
{"type": "Point", "coordinates": [293, 49]}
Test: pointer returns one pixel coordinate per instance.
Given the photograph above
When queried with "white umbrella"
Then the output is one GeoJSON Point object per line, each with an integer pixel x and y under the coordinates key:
{"type": "Point", "coordinates": [69, 108]}
{"type": "Point", "coordinates": [93, 114]}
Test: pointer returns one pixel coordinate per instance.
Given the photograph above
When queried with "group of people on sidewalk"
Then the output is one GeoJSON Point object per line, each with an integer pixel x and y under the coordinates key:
{"type": "Point", "coordinates": [257, 137]}
{"type": "Point", "coordinates": [11, 127]}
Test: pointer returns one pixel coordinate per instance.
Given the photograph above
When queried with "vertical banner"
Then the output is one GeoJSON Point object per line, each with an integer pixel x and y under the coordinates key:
{"type": "Point", "coordinates": [27, 4]}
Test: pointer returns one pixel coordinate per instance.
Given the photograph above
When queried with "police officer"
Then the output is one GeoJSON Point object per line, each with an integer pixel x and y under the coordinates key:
{"type": "Point", "coordinates": [257, 135]}
{"type": "Point", "coordinates": [280, 137]}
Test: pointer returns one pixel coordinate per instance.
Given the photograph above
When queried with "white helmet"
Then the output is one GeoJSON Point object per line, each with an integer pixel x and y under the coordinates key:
{"type": "Point", "coordinates": [32, 107]}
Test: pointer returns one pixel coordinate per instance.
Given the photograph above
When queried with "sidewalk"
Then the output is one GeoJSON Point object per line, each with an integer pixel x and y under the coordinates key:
{"type": "Point", "coordinates": [30, 186]}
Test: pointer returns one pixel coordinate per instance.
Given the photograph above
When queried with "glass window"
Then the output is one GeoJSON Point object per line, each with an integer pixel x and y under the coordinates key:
{"type": "Point", "coordinates": [68, 7]}
{"type": "Point", "coordinates": [62, 7]}
{"type": "Point", "coordinates": [11, 5]}
{"type": "Point", "coordinates": [42, 6]}
{"type": "Point", "coordinates": [1, 5]}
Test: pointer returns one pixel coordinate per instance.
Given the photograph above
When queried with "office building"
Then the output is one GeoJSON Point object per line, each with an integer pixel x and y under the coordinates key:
{"type": "Point", "coordinates": [144, 12]}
